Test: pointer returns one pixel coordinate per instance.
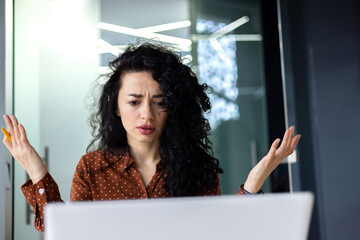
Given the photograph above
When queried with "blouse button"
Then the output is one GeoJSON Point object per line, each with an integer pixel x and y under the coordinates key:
{"type": "Point", "coordinates": [41, 191]}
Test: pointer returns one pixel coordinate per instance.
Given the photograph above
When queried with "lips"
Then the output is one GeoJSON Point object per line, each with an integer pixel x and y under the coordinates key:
{"type": "Point", "coordinates": [146, 129]}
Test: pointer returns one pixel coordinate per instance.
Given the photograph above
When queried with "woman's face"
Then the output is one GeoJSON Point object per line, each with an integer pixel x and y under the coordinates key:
{"type": "Point", "coordinates": [141, 108]}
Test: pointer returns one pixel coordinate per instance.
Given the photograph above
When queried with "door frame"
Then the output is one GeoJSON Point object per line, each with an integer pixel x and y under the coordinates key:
{"type": "Point", "coordinates": [8, 99]}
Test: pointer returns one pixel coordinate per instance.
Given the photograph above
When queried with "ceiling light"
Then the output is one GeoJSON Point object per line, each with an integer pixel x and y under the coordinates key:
{"type": "Point", "coordinates": [166, 27]}
{"type": "Point", "coordinates": [230, 27]}
{"type": "Point", "coordinates": [144, 34]}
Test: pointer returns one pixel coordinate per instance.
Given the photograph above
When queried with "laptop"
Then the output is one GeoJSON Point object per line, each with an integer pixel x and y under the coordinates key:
{"type": "Point", "coordinates": [269, 216]}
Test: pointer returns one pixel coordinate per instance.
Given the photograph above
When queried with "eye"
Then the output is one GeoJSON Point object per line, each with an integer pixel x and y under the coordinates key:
{"type": "Point", "coordinates": [160, 104]}
{"type": "Point", "coordinates": [133, 103]}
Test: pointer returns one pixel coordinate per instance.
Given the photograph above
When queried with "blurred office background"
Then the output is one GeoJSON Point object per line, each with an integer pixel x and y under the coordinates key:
{"type": "Point", "coordinates": [271, 64]}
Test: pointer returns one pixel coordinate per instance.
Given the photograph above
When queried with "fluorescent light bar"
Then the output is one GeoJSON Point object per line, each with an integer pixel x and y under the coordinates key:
{"type": "Point", "coordinates": [144, 34]}
{"type": "Point", "coordinates": [174, 47]}
{"type": "Point", "coordinates": [230, 27]}
{"type": "Point", "coordinates": [166, 27]}
{"type": "Point", "coordinates": [237, 37]}
{"type": "Point", "coordinates": [105, 47]}
{"type": "Point", "coordinates": [247, 37]}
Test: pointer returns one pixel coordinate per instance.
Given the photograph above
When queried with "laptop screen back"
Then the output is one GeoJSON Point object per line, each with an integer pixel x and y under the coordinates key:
{"type": "Point", "coordinates": [270, 216]}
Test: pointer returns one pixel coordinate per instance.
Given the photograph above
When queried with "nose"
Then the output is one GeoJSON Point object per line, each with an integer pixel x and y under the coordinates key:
{"type": "Point", "coordinates": [147, 111]}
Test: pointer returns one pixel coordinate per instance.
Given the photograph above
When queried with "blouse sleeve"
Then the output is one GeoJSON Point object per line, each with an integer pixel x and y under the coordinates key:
{"type": "Point", "coordinates": [38, 195]}
{"type": "Point", "coordinates": [46, 191]}
{"type": "Point", "coordinates": [81, 185]}
{"type": "Point", "coordinates": [240, 192]}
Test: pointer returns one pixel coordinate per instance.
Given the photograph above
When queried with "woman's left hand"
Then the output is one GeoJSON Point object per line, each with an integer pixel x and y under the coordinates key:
{"type": "Point", "coordinates": [262, 170]}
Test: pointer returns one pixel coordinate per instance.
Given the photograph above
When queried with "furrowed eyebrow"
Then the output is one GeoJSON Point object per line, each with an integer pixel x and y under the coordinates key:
{"type": "Point", "coordinates": [135, 95]}
{"type": "Point", "coordinates": [140, 95]}
{"type": "Point", "coordinates": [159, 96]}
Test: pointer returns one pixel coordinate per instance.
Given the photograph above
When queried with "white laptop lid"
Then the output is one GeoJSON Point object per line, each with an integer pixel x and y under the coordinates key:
{"type": "Point", "coordinates": [270, 216]}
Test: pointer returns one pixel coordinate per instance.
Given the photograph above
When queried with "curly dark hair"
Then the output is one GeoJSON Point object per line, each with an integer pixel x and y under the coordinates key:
{"type": "Point", "coordinates": [186, 150]}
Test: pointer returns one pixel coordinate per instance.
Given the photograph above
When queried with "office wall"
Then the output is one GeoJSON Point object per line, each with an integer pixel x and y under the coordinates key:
{"type": "Point", "coordinates": [324, 37]}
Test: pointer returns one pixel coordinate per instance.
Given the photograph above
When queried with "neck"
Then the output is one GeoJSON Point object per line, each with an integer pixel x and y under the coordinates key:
{"type": "Point", "coordinates": [145, 153]}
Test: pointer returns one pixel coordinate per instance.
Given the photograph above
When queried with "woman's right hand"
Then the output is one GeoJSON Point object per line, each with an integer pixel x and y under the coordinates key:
{"type": "Point", "coordinates": [22, 151]}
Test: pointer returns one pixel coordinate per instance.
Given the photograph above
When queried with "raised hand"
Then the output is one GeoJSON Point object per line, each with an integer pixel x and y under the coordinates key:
{"type": "Point", "coordinates": [262, 170]}
{"type": "Point", "coordinates": [22, 151]}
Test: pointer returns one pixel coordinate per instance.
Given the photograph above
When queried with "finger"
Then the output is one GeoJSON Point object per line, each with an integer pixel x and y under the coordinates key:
{"type": "Point", "coordinates": [289, 139]}
{"type": "Point", "coordinates": [23, 135]}
{"type": "Point", "coordinates": [8, 123]}
{"type": "Point", "coordinates": [295, 141]}
{"type": "Point", "coordinates": [16, 129]}
{"type": "Point", "coordinates": [291, 134]}
{"type": "Point", "coordinates": [273, 148]}
{"type": "Point", "coordinates": [7, 144]}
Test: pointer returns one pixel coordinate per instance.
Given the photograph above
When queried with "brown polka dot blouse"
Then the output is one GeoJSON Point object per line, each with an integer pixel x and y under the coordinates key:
{"type": "Point", "coordinates": [100, 175]}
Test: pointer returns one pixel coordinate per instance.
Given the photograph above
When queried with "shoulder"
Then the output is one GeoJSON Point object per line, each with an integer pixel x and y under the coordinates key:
{"type": "Point", "coordinates": [99, 159]}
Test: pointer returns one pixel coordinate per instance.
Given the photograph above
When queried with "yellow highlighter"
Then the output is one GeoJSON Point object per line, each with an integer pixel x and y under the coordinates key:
{"type": "Point", "coordinates": [8, 136]}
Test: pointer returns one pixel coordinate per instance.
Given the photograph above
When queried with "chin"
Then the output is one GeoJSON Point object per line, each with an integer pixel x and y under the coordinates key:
{"type": "Point", "coordinates": [146, 139]}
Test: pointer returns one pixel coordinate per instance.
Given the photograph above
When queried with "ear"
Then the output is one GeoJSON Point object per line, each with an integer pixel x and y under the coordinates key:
{"type": "Point", "coordinates": [118, 112]}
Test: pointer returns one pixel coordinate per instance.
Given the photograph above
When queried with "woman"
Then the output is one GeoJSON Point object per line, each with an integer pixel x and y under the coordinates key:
{"type": "Point", "coordinates": [150, 136]}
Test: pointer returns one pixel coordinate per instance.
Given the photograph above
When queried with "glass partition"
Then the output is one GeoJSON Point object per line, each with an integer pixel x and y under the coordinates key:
{"type": "Point", "coordinates": [228, 55]}
{"type": "Point", "coordinates": [55, 61]}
